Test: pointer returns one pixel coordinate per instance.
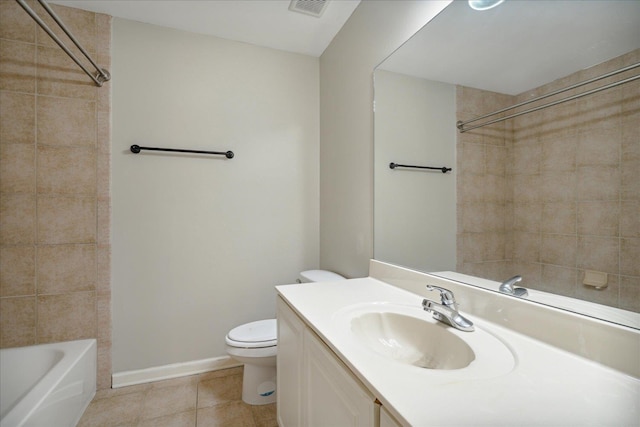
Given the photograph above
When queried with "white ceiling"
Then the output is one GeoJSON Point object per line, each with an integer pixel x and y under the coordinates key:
{"type": "Point", "coordinates": [266, 23]}
{"type": "Point", "coordinates": [519, 45]}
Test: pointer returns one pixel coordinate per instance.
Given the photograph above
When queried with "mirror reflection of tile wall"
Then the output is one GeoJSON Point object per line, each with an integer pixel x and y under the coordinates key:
{"type": "Point", "coordinates": [553, 193]}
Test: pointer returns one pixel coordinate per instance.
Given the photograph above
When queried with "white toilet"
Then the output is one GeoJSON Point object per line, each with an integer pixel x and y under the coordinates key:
{"type": "Point", "coordinates": [255, 345]}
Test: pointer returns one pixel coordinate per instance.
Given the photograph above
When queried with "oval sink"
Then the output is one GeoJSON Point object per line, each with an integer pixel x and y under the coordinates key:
{"type": "Point", "coordinates": [412, 340]}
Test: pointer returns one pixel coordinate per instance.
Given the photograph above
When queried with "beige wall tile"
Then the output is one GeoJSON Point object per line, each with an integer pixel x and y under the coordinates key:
{"type": "Point", "coordinates": [103, 377]}
{"type": "Point", "coordinates": [558, 249]}
{"type": "Point", "coordinates": [81, 23]}
{"type": "Point", "coordinates": [630, 257]}
{"type": "Point", "coordinates": [17, 219]}
{"type": "Point", "coordinates": [559, 218]}
{"type": "Point", "coordinates": [66, 220]}
{"type": "Point", "coordinates": [103, 188]}
{"type": "Point", "coordinates": [630, 293]}
{"type": "Point", "coordinates": [527, 217]}
{"type": "Point", "coordinates": [104, 269]}
{"type": "Point", "coordinates": [17, 271]}
{"type": "Point", "coordinates": [599, 218]}
{"type": "Point", "coordinates": [495, 160]}
{"type": "Point", "coordinates": [559, 154]}
{"type": "Point", "coordinates": [630, 187]}
{"type": "Point", "coordinates": [103, 34]}
{"type": "Point", "coordinates": [526, 246]}
{"type": "Point", "coordinates": [66, 170]}
{"type": "Point", "coordinates": [66, 268]}
{"type": "Point", "coordinates": [17, 168]}
{"type": "Point", "coordinates": [598, 253]}
{"type": "Point", "coordinates": [526, 159]}
{"type": "Point", "coordinates": [18, 118]}
{"type": "Point", "coordinates": [66, 317]}
{"type": "Point", "coordinates": [558, 187]}
{"type": "Point", "coordinates": [58, 75]}
{"type": "Point", "coordinates": [598, 183]}
{"type": "Point", "coordinates": [472, 158]}
{"type": "Point", "coordinates": [599, 147]}
{"type": "Point", "coordinates": [630, 219]}
{"type": "Point", "coordinates": [17, 66]}
{"type": "Point", "coordinates": [103, 236]}
{"type": "Point", "coordinates": [17, 321]}
{"type": "Point", "coordinates": [526, 188]}
{"type": "Point", "coordinates": [103, 306]}
{"type": "Point", "coordinates": [15, 24]}
{"type": "Point", "coordinates": [601, 110]}
{"type": "Point", "coordinates": [66, 121]}
{"type": "Point", "coordinates": [558, 280]}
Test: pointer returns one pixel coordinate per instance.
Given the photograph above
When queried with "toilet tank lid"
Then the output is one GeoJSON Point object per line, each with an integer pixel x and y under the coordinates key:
{"type": "Point", "coordinates": [320, 276]}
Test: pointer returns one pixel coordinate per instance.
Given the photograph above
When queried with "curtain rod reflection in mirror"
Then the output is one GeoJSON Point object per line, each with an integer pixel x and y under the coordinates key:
{"type": "Point", "coordinates": [101, 75]}
{"type": "Point", "coordinates": [461, 125]}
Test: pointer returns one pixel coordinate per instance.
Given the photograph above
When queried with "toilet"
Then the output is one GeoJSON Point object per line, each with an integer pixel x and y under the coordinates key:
{"type": "Point", "coordinates": [255, 345]}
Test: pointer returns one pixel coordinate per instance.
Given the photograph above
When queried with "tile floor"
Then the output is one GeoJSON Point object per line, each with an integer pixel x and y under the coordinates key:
{"type": "Point", "coordinates": [212, 399]}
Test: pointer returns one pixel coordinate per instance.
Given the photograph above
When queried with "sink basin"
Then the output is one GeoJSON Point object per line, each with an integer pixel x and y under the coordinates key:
{"type": "Point", "coordinates": [412, 340]}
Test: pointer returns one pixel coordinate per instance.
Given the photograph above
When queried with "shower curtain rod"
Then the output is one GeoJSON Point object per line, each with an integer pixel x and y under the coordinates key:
{"type": "Point", "coordinates": [101, 75]}
{"type": "Point", "coordinates": [461, 125]}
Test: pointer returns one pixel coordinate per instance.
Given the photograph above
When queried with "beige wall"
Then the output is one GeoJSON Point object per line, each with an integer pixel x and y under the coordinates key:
{"type": "Point", "coordinates": [568, 199]}
{"type": "Point", "coordinates": [374, 31]}
{"type": "Point", "coordinates": [55, 196]}
{"type": "Point", "coordinates": [200, 242]}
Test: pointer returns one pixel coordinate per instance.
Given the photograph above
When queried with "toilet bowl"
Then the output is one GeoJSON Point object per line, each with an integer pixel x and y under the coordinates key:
{"type": "Point", "coordinates": [255, 345]}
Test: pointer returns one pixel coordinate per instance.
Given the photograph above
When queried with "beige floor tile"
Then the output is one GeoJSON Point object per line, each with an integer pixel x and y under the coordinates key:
{"type": "Point", "coordinates": [220, 390]}
{"type": "Point", "coordinates": [265, 415]}
{"type": "Point", "coordinates": [113, 411]}
{"type": "Point", "coordinates": [233, 414]}
{"type": "Point", "coordinates": [170, 397]}
{"type": "Point", "coordinates": [182, 419]}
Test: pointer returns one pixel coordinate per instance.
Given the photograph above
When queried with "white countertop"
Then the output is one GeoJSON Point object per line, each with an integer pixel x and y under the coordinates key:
{"type": "Point", "coordinates": [545, 386]}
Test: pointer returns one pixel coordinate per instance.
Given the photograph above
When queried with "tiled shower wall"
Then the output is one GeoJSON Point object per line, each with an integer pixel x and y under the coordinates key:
{"type": "Point", "coordinates": [555, 192]}
{"type": "Point", "coordinates": [55, 185]}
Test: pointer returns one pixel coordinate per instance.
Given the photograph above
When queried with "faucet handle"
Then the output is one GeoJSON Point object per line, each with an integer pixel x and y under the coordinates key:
{"type": "Point", "coordinates": [446, 296]}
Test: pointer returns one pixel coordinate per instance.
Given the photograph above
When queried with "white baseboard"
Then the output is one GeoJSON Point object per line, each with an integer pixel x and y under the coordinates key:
{"type": "Point", "coordinates": [174, 370]}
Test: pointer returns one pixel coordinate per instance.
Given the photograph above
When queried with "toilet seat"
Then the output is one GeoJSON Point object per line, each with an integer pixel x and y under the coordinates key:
{"type": "Point", "coordinates": [262, 333]}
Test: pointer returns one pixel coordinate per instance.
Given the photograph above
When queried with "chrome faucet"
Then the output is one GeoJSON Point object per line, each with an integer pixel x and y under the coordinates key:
{"type": "Point", "coordinates": [507, 287]}
{"type": "Point", "coordinates": [447, 310]}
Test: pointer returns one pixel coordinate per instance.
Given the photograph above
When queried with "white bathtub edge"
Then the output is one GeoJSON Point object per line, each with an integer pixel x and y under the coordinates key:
{"type": "Point", "coordinates": [174, 370]}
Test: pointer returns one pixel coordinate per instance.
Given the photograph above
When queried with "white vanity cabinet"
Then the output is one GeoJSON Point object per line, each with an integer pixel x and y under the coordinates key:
{"type": "Point", "coordinates": [314, 387]}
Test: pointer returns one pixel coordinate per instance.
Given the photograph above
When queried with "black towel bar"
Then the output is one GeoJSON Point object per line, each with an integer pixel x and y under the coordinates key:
{"type": "Point", "coordinates": [443, 169]}
{"type": "Point", "coordinates": [136, 149]}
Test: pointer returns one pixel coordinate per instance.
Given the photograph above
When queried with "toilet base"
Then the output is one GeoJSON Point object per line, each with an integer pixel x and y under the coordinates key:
{"type": "Point", "coordinates": [259, 384]}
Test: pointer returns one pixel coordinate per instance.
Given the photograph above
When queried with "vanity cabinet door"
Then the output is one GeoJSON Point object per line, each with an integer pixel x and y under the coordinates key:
{"type": "Point", "coordinates": [387, 420]}
{"type": "Point", "coordinates": [333, 396]}
{"type": "Point", "coordinates": [289, 366]}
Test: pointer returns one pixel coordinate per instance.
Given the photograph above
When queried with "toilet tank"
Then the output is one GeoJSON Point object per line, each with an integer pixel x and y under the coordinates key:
{"type": "Point", "coordinates": [319, 276]}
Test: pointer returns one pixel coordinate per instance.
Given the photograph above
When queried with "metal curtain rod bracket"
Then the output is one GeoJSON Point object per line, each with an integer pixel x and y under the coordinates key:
{"type": "Point", "coordinates": [136, 149]}
{"type": "Point", "coordinates": [443, 169]}
{"type": "Point", "coordinates": [461, 125]}
{"type": "Point", "coordinates": [101, 75]}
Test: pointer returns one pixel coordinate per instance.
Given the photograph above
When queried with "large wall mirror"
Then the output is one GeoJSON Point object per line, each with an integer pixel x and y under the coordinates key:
{"type": "Point", "coordinates": [550, 189]}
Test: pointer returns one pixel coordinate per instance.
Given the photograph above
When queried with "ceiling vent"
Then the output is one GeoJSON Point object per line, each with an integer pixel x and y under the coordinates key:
{"type": "Point", "coordinates": [309, 7]}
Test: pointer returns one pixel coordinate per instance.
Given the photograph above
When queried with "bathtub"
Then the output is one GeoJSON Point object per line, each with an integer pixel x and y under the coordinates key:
{"type": "Point", "coordinates": [48, 384]}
